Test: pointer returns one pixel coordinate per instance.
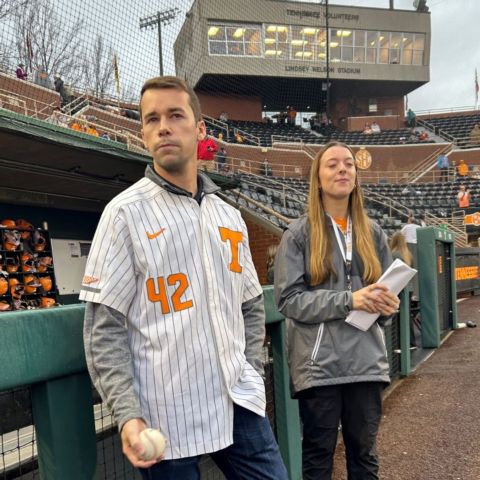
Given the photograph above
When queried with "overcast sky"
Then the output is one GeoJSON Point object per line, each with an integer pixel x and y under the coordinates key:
{"type": "Point", "coordinates": [455, 48]}
{"type": "Point", "coordinates": [455, 52]}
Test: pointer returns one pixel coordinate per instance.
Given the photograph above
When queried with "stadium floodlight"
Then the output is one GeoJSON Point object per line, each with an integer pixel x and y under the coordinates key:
{"type": "Point", "coordinates": [157, 20]}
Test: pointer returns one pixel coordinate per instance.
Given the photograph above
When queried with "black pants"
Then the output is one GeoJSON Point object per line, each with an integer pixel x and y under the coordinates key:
{"type": "Point", "coordinates": [359, 407]}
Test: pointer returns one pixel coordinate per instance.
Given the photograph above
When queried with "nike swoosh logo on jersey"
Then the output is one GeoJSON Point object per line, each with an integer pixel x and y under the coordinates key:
{"type": "Point", "coordinates": [151, 236]}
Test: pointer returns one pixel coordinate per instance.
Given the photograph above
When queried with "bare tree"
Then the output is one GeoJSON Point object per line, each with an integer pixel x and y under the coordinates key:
{"type": "Point", "coordinates": [44, 42]}
{"type": "Point", "coordinates": [98, 67]}
{"type": "Point", "coordinates": [9, 7]}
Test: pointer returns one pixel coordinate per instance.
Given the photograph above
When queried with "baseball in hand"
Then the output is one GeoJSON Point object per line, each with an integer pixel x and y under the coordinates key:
{"type": "Point", "coordinates": [154, 443]}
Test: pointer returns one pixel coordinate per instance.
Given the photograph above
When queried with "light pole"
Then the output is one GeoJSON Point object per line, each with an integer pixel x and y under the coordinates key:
{"type": "Point", "coordinates": [157, 20]}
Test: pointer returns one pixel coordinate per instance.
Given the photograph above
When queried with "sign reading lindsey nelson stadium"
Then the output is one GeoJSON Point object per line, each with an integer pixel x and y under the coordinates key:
{"type": "Point", "coordinates": [333, 16]}
{"type": "Point", "coordinates": [322, 69]}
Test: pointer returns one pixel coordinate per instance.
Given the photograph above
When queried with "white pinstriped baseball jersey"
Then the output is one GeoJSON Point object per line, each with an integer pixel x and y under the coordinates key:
{"type": "Point", "coordinates": [179, 272]}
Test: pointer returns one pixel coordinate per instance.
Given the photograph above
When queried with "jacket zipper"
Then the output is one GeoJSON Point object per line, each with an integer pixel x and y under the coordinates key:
{"type": "Point", "coordinates": [318, 341]}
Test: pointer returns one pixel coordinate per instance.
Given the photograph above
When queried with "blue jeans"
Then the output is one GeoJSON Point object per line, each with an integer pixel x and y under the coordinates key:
{"type": "Point", "coordinates": [254, 455]}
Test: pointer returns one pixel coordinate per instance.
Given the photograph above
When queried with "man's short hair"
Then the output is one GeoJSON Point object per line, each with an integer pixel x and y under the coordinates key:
{"type": "Point", "coordinates": [173, 83]}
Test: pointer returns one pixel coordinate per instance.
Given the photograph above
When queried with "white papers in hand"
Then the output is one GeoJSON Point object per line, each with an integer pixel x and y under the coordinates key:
{"type": "Point", "coordinates": [395, 277]}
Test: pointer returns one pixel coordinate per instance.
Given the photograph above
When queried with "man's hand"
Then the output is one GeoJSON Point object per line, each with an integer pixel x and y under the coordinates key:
{"type": "Point", "coordinates": [132, 447]}
{"type": "Point", "coordinates": [375, 298]}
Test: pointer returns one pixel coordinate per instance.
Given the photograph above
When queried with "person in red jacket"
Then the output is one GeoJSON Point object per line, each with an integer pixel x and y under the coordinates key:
{"type": "Point", "coordinates": [206, 150]}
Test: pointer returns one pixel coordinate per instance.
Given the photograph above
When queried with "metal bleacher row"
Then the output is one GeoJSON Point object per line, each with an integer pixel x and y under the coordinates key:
{"type": "Point", "coordinates": [456, 126]}
{"type": "Point", "coordinates": [262, 134]}
{"type": "Point", "coordinates": [419, 199]}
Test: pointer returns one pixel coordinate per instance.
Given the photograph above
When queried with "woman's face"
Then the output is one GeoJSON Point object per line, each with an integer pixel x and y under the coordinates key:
{"type": "Point", "coordinates": [337, 172]}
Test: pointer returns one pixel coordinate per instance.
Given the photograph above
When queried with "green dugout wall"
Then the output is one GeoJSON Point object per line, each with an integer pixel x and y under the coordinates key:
{"type": "Point", "coordinates": [437, 287]}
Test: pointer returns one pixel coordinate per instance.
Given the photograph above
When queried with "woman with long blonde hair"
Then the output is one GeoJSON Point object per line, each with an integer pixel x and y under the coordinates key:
{"type": "Point", "coordinates": [328, 264]}
{"type": "Point", "coordinates": [399, 248]}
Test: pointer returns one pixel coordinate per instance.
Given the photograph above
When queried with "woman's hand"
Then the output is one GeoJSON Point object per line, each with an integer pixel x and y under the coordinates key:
{"type": "Point", "coordinates": [375, 298]}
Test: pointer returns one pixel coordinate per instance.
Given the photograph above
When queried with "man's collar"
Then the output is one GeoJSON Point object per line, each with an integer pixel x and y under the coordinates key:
{"type": "Point", "coordinates": [205, 184]}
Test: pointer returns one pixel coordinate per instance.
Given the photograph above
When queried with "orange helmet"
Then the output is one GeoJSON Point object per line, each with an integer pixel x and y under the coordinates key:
{"type": "Point", "coordinates": [26, 226]}
{"type": "Point", "coordinates": [11, 264]}
{"type": "Point", "coordinates": [4, 306]}
{"type": "Point", "coordinates": [39, 241]}
{"type": "Point", "coordinates": [43, 263]}
{"type": "Point", "coordinates": [47, 302]}
{"type": "Point", "coordinates": [46, 283]}
{"type": "Point", "coordinates": [11, 240]}
{"type": "Point", "coordinates": [16, 289]}
{"type": "Point", "coordinates": [7, 223]}
{"type": "Point", "coordinates": [26, 256]}
{"type": "Point", "coordinates": [3, 286]}
{"type": "Point", "coordinates": [30, 284]}
{"type": "Point", "coordinates": [28, 266]}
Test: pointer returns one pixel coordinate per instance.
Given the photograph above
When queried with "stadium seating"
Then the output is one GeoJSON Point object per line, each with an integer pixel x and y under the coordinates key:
{"type": "Point", "coordinates": [455, 126]}
{"type": "Point", "coordinates": [438, 199]}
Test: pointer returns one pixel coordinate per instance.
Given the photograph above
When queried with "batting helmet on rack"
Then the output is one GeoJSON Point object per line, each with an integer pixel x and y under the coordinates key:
{"type": "Point", "coordinates": [46, 283]}
{"type": "Point", "coordinates": [26, 226]}
{"type": "Point", "coordinates": [47, 302]}
{"type": "Point", "coordinates": [3, 285]}
{"type": "Point", "coordinates": [11, 240]}
{"type": "Point", "coordinates": [30, 284]}
{"type": "Point", "coordinates": [39, 241]}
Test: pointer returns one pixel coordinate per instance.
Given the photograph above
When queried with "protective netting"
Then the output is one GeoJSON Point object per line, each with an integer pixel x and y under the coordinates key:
{"type": "Point", "coordinates": [295, 67]}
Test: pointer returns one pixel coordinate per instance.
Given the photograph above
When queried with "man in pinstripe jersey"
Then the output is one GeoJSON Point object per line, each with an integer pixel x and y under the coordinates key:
{"type": "Point", "coordinates": [174, 323]}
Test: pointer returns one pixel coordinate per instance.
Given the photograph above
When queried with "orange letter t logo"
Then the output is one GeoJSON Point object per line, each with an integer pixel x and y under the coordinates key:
{"type": "Point", "coordinates": [234, 238]}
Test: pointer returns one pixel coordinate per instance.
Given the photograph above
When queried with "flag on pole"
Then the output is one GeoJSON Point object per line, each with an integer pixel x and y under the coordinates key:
{"type": "Point", "coordinates": [115, 73]}
{"type": "Point", "coordinates": [476, 88]}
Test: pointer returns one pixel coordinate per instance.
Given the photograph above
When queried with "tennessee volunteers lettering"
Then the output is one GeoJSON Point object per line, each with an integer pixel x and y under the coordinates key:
{"type": "Point", "coordinates": [233, 238]}
{"type": "Point", "coordinates": [157, 292]}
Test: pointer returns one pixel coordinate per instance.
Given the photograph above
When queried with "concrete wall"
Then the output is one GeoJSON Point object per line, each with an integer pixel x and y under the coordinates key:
{"type": "Point", "coordinates": [237, 107]}
{"type": "Point", "coordinates": [191, 47]}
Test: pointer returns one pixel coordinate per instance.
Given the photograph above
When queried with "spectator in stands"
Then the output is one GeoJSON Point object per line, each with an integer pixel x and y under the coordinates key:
{"type": "Point", "coordinates": [91, 130]}
{"type": "Point", "coordinates": [42, 78]}
{"type": "Point", "coordinates": [463, 197]}
{"type": "Point", "coordinates": [410, 230]}
{"type": "Point", "coordinates": [462, 169]}
{"type": "Point", "coordinates": [266, 169]}
{"type": "Point", "coordinates": [292, 115]}
{"type": "Point", "coordinates": [411, 118]}
{"type": "Point", "coordinates": [399, 248]}
{"type": "Point", "coordinates": [413, 137]}
{"type": "Point", "coordinates": [271, 252]}
{"type": "Point", "coordinates": [327, 264]}
{"type": "Point", "coordinates": [223, 117]}
{"type": "Point", "coordinates": [238, 137]}
{"type": "Point", "coordinates": [131, 114]}
{"type": "Point", "coordinates": [77, 126]}
{"type": "Point", "coordinates": [367, 130]}
{"type": "Point", "coordinates": [220, 136]}
{"type": "Point", "coordinates": [423, 136]}
{"type": "Point", "coordinates": [105, 136]}
{"type": "Point", "coordinates": [20, 72]}
{"type": "Point", "coordinates": [206, 150]}
{"type": "Point", "coordinates": [58, 118]}
{"type": "Point", "coordinates": [60, 88]}
{"type": "Point", "coordinates": [222, 159]}
{"type": "Point", "coordinates": [375, 127]}
{"type": "Point", "coordinates": [475, 136]}
{"type": "Point", "coordinates": [443, 164]}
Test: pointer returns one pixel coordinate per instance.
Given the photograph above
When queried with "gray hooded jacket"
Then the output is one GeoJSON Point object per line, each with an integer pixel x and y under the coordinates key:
{"type": "Point", "coordinates": [322, 348]}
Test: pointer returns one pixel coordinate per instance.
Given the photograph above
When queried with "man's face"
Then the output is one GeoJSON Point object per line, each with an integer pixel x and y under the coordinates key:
{"type": "Point", "coordinates": [169, 129]}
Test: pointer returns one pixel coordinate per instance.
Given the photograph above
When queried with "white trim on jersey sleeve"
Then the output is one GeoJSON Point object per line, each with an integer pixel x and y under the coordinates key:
{"type": "Point", "coordinates": [110, 273]}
